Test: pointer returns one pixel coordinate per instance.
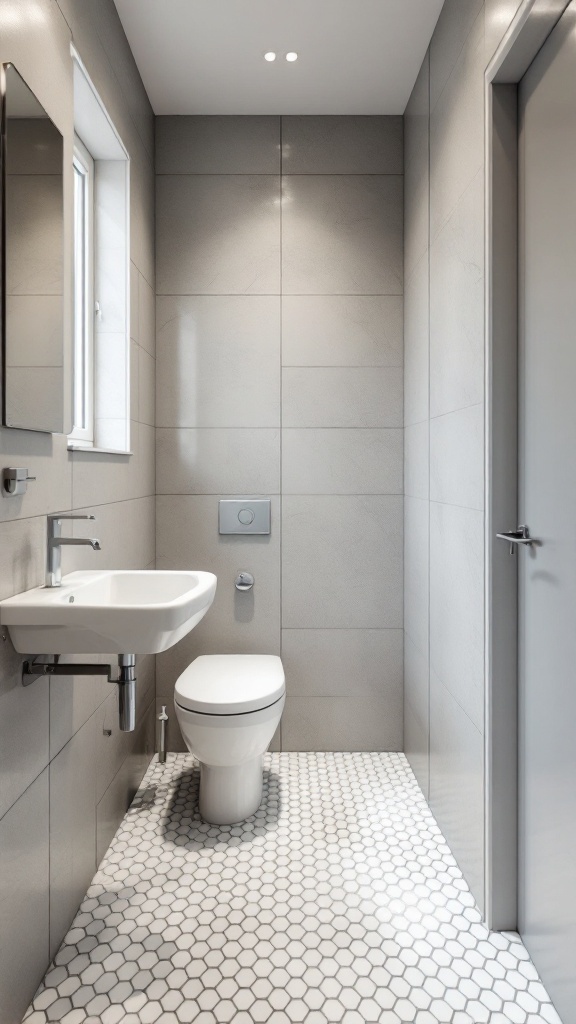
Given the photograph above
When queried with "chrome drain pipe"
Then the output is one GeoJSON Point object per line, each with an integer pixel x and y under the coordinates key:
{"type": "Point", "coordinates": [125, 680]}
{"type": "Point", "coordinates": [127, 692]}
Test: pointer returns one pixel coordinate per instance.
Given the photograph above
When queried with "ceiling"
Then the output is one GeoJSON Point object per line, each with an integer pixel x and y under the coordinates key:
{"type": "Point", "coordinates": [206, 56]}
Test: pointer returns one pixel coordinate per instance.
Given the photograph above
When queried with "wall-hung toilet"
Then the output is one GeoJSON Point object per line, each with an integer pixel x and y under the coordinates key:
{"type": "Point", "coordinates": [228, 707]}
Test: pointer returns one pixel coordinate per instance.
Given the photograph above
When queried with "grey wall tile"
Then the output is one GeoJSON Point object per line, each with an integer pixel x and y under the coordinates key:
{"type": "Point", "coordinates": [134, 301]}
{"type": "Point", "coordinates": [342, 234]}
{"type": "Point", "coordinates": [457, 783]}
{"type": "Point", "coordinates": [342, 562]}
{"type": "Point", "coordinates": [217, 145]}
{"type": "Point", "coordinates": [126, 532]}
{"type": "Point", "coordinates": [21, 555]}
{"type": "Point", "coordinates": [146, 316]}
{"type": "Point", "coordinates": [117, 798]}
{"type": "Point", "coordinates": [235, 223]}
{"type": "Point", "coordinates": [342, 145]}
{"type": "Point", "coordinates": [24, 905]}
{"type": "Point", "coordinates": [146, 388]}
{"type": "Point", "coordinates": [341, 396]}
{"type": "Point", "coordinates": [72, 828]}
{"type": "Point", "coordinates": [457, 457]}
{"type": "Point", "coordinates": [416, 171]}
{"type": "Point", "coordinates": [342, 330]}
{"type": "Point", "coordinates": [73, 699]}
{"type": "Point", "coordinates": [40, 48]}
{"type": "Point", "coordinates": [416, 570]}
{"type": "Point", "coordinates": [47, 459]}
{"type": "Point", "coordinates": [457, 605]}
{"type": "Point", "coordinates": [188, 538]}
{"type": "Point", "coordinates": [416, 712]}
{"type": "Point", "coordinates": [457, 130]}
{"type": "Point", "coordinates": [213, 461]}
{"type": "Point", "coordinates": [340, 461]}
{"type": "Point", "coordinates": [417, 460]}
{"type": "Point", "coordinates": [417, 344]}
{"type": "Point", "coordinates": [218, 361]}
{"type": "Point", "coordinates": [455, 23]}
{"type": "Point", "coordinates": [341, 723]}
{"type": "Point", "coordinates": [457, 327]}
{"type": "Point", "coordinates": [329, 662]}
{"type": "Point", "coordinates": [24, 718]}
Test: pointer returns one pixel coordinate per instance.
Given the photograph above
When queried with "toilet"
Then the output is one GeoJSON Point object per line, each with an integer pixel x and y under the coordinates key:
{"type": "Point", "coordinates": [228, 707]}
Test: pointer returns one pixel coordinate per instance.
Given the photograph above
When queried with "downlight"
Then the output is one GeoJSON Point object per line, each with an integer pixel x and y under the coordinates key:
{"type": "Point", "coordinates": [270, 56]}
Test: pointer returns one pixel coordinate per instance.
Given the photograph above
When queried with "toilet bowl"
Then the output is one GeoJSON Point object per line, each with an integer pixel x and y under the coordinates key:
{"type": "Point", "coordinates": [228, 707]}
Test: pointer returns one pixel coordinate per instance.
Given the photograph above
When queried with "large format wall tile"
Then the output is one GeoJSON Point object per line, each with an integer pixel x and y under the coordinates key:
{"type": "Point", "coordinates": [417, 344]}
{"type": "Point", "coordinates": [24, 724]}
{"type": "Point", "coordinates": [215, 461]}
{"type": "Point", "coordinates": [72, 828]}
{"type": "Point", "coordinates": [235, 223]}
{"type": "Point", "coordinates": [416, 171]}
{"type": "Point", "coordinates": [47, 460]}
{"type": "Point", "coordinates": [341, 396]}
{"type": "Point", "coordinates": [218, 361]}
{"type": "Point", "coordinates": [217, 145]}
{"type": "Point", "coordinates": [341, 723]}
{"type": "Point", "coordinates": [417, 460]}
{"type": "Point", "coordinates": [342, 234]}
{"type": "Point", "coordinates": [340, 461]}
{"type": "Point", "coordinates": [342, 145]}
{"type": "Point", "coordinates": [342, 561]}
{"type": "Point", "coordinates": [188, 538]}
{"type": "Point", "coordinates": [457, 306]}
{"type": "Point", "coordinates": [330, 662]}
{"type": "Point", "coordinates": [342, 330]}
{"type": "Point", "coordinates": [417, 712]}
{"type": "Point", "coordinates": [24, 901]}
{"type": "Point", "coordinates": [416, 570]}
{"type": "Point", "coordinates": [457, 782]}
{"type": "Point", "coordinates": [457, 604]}
{"type": "Point", "coordinates": [335, 322]}
{"type": "Point", "coordinates": [457, 457]}
{"type": "Point", "coordinates": [455, 23]}
{"type": "Point", "coordinates": [457, 129]}
{"type": "Point", "coordinates": [31, 733]}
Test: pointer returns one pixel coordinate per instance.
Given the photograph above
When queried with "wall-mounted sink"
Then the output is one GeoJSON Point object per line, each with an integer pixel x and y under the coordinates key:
{"type": "Point", "coordinates": [109, 612]}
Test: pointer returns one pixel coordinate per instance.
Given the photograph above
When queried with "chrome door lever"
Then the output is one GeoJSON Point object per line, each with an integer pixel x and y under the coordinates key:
{"type": "Point", "coordinates": [519, 536]}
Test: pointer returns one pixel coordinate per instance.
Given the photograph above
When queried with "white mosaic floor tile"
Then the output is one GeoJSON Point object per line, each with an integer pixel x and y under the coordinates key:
{"type": "Point", "coordinates": [338, 901]}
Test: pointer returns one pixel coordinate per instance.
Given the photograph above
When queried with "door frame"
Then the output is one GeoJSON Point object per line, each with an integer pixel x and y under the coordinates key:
{"type": "Point", "coordinates": [533, 23]}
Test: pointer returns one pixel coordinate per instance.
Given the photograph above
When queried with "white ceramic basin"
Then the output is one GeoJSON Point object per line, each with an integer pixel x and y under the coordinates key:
{"type": "Point", "coordinates": [109, 612]}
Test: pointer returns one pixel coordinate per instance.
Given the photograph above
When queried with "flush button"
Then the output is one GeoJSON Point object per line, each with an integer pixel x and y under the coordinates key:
{"type": "Point", "coordinates": [244, 515]}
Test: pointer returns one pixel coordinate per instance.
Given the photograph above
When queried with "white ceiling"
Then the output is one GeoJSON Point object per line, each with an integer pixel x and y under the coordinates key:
{"type": "Point", "coordinates": [206, 56]}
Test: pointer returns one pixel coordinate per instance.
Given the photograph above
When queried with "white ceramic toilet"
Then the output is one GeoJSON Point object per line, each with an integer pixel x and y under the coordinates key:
{"type": "Point", "coordinates": [228, 707]}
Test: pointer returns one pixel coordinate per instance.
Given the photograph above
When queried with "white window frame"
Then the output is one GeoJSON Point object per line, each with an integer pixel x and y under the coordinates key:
{"type": "Point", "coordinates": [83, 391]}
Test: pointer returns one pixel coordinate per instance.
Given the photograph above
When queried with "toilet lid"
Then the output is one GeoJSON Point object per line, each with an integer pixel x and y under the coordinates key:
{"type": "Point", "coordinates": [230, 684]}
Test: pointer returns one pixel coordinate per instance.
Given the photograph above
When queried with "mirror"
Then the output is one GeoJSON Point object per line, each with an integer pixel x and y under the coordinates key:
{"type": "Point", "coordinates": [33, 251]}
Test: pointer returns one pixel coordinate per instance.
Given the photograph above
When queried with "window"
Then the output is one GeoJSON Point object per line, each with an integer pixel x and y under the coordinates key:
{"type": "Point", "coordinates": [101, 349]}
{"type": "Point", "coordinates": [83, 349]}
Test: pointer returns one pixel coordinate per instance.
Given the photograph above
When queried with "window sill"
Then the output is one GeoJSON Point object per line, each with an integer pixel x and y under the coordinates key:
{"type": "Point", "coordinates": [74, 447]}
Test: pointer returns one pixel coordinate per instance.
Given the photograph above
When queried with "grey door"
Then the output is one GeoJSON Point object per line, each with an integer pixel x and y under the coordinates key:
{"type": "Point", "coordinates": [547, 504]}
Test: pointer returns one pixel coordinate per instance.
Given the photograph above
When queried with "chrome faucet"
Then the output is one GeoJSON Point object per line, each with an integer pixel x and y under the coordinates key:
{"type": "Point", "coordinates": [54, 544]}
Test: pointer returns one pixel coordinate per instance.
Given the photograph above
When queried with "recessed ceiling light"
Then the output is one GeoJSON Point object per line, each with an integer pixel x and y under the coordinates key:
{"type": "Point", "coordinates": [270, 55]}
{"type": "Point", "coordinates": [291, 56]}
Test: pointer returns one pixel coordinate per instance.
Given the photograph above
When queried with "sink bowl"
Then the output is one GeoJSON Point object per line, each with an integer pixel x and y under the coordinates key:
{"type": "Point", "coordinates": [109, 612]}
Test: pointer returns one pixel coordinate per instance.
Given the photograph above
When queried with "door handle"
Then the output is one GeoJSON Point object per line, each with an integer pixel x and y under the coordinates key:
{"type": "Point", "coordinates": [518, 536]}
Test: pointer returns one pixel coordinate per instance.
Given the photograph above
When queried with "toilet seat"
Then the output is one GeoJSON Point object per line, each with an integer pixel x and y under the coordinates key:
{"type": "Point", "coordinates": [230, 684]}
